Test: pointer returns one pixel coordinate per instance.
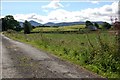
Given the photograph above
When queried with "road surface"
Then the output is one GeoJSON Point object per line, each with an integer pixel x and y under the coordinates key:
{"type": "Point", "coordinates": [20, 60]}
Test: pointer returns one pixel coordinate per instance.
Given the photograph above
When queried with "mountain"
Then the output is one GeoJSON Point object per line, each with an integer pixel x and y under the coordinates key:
{"type": "Point", "coordinates": [69, 23]}
{"type": "Point", "coordinates": [49, 24]}
{"type": "Point", "coordinates": [34, 23]}
{"type": "Point", "coordinates": [63, 23]}
{"type": "Point", "coordinates": [99, 22]}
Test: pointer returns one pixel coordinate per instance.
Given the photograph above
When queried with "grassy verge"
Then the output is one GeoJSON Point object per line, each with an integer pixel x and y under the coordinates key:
{"type": "Point", "coordinates": [94, 51]}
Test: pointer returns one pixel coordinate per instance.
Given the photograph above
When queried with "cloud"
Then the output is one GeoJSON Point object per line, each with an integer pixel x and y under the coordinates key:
{"type": "Point", "coordinates": [1, 17]}
{"type": "Point", "coordinates": [54, 4]}
{"type": "Point", "coordinates": [95, 2]}
{"type": "Point", "coordinates": [94, 14]}
{"type": "Point", "coordinates": [60, 15]}
{"type": "Point", "coordinates": [32, 16]}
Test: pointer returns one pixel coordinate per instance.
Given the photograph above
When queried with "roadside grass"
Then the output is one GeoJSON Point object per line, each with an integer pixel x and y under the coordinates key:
{"type": "Point", "coordinates": [95, 51]}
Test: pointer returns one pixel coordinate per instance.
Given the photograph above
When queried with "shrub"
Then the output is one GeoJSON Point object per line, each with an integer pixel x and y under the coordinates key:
{"type": "Point", "coordinates": [106, 25]}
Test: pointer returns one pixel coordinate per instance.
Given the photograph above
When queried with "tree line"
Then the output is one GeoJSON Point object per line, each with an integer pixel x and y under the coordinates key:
{"type": "Point", "coordinates": [8, 22]}
{"type": "Point", "coordinates": [105, 25]}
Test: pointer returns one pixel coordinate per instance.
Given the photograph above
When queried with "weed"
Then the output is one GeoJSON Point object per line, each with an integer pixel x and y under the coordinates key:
{"type": "Point", "coordinates": [96, 51]}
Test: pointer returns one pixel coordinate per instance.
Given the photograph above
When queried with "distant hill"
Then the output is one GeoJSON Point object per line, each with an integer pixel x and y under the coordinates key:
{"type": "Point", "coordinates": [68, 23]}
{"type": "Point", "coordinates": [49, 24]}
{"type": "Point", "coordinates": [99, 22]}
{"type": "Point", "coordinates": [63, 23]}
{"type": "Point", "coordinates": [34, 23]}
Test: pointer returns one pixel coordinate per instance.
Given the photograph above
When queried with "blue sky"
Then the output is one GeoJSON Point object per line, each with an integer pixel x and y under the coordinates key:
{"type": "Point", "coordinates": [35, 7]}
{"type": "Point", "coordinates": [52, 10]}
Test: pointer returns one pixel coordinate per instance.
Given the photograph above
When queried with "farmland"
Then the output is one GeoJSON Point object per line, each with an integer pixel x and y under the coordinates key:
{"type": "Point", "coordinates": [94, 50]}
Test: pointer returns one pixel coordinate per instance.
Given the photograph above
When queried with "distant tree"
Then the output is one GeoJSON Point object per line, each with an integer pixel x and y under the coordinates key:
{"type": "Point", "coordinates": [33, 27]}
{"type": "Point", "coordinates": [8, 22]}
{"type": "Point", "coordinates": [90, 26]}
{"type": "Point", "coordinates": [96, 25]}
{"type": "Point", "coordinates": [27, 27]}
{"type": "Point", "coordinates": [106, 25]}
{"type": "Point", "coordinates": [88, 23]}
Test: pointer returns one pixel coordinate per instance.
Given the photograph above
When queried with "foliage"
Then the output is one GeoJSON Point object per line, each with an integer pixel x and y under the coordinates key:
{"type": "Point", "coordinates": [117, 28]}
{"type": "Point", "coordinates": [106, 25]}
{"type": "Point", "coordinates": [90, 26]}
{"type": "Point", "coordinates": [33, 27]}
{"type": "Point", "coordinates": [88, 23]}
{"type": "Point", "coordinates": [27, 27]}
{"type": "Point", "coordinates": [95, 51]}
{"type": "Point", "coordinates": [8, 22]}
{"type": "Point", "coordinates": [96, 25]}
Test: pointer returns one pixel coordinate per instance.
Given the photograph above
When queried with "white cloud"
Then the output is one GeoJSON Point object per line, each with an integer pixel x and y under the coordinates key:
{"type": "Point", "coordinates": [54, 4]}
{"type": "Point", "coordinates": [1, 17]}
{"type": "Point", "coordinates": [95, 2]}
{"type": "Point", "coordinates": [32, 16]}
{"type": "Point", "coordinates": [60, 15]}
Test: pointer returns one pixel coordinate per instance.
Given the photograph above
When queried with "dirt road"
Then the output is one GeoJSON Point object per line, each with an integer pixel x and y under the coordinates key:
{"type": "Point", "coordinates": [20, 60]}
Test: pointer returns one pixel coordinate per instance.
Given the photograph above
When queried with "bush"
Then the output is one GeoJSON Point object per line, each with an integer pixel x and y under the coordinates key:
{"type": "Point", "coordinates": [106, 25]}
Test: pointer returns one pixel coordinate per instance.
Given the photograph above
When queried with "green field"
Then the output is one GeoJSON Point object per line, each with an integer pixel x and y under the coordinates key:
{"type": "Point", "coordinates": [96, 50]}
{"type": "Point", "coordinates": [64, 28]}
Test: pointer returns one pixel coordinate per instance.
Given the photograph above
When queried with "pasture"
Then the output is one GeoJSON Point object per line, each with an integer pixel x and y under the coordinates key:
{"type": "Point", "coordinates": [64, 28]}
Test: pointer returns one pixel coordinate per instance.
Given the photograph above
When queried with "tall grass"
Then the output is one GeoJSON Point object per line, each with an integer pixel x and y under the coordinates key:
{"type": "Point", "coordinates": [96, 51]}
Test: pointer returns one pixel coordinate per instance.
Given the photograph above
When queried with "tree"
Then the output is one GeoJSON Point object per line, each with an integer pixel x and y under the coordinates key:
{"type": "Point", "coordinates": [106, 25]}
{"type": "Point", "coordinates": [18, 28]}
{"type": "Point", "coordinates": [8, 22]}
{"type": "Point", "coordinates": [96, 25]}
{"type": "Point", "coordinates": [27, 27]}
{"type": "Point", "coordinates": [4, 25]}
{"type": "Point", "coordinates": [90, 26]}
{"type": "Point", "coordinates": [88, 23]}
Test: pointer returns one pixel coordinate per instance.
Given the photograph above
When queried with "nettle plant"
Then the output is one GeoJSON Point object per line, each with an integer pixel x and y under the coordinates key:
{"type": "Point", "coordinates": [106, 57]}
